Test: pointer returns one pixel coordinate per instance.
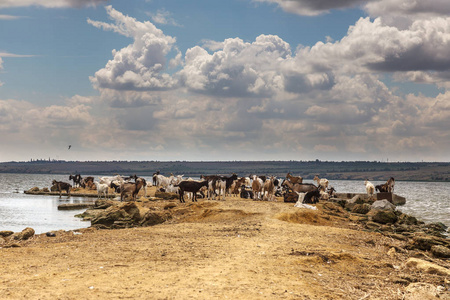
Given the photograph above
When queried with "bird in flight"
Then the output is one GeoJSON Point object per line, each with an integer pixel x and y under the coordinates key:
{"type": "Point", "coordinates": [70, 146]}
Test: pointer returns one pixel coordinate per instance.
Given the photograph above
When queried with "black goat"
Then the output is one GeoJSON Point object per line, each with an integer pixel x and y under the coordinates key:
{"type": "Point", "coordinates": [62, 186]}
{"type": "Point", "coordinates": [192, 187]}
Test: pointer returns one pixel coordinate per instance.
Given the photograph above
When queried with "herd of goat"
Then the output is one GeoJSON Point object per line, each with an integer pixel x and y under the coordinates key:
{"type": "Point", "coordinates": [267, 188]}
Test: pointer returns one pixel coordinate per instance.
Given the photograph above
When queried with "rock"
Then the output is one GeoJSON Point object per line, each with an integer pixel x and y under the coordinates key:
{"type": "Point", "coordinates": [440, 251]}
{"type": "Point", "coordinates": [437, 228]}
{"type": "Point", "coordinates": [118, 216]}
{"type": "Point", "coordinates": [90, 213]}
{"type": "Point", "coordinates": [170, 206]}
{"type": "Point", "coordinates": [427, 267]}
{"type": "Point", "coordinates": [74, 206]}
{"type": "Point", "coordinates": [383, 205]}
{"type": "Point", "coordinates": [398, 200]}
{"type": "Point", "coordinates": [382, 216]}
{"type": "Point", "coordinates": [153, 218]}
{"type": "Point", "coordinates": [24, 235]}
{"type": "Point", "coordinates": [358, 199]}
{"type": "Point", "coordinates": [407, 219]}
{"type": "Point", "coordinates": [358, 218]}
{"type": "Point", "coordinates": [372, 226]}
{"type": "Point", "coordinates": [421, 290]}
{"type": "Point", "coordinates": [6, 233]}
{"type": "Point", "coordinates": [334, 209]}
{"type": "Point", "coordinates": [361, 208]}
{"type": "Point", "coordinates": [423, 242]}
{"type": "Point", "coordinates": [103, 203]}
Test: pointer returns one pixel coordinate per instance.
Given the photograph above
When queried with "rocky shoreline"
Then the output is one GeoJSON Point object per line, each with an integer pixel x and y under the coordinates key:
{"type": "Point", "coordinates": [415, 254]}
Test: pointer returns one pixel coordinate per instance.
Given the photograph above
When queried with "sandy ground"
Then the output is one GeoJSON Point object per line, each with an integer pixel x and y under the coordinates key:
{"type": "Point", "coordinates": [233, 249]}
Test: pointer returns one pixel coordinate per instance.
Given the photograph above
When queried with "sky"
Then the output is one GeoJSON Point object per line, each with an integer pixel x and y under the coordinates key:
{"type": "Point", "coordinates": [167, 80]}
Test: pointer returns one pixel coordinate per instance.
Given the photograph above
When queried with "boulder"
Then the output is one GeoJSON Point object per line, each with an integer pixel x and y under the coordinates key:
{"type": "Point", "coordinates": [383, 205]}
{"type": "Point", "coordinates": [398, 200]}
{"type": "Point", "coordinates": [440, 251]}
{"type": "Point", "coordinates": [383, 216]}
{"type": "Point", "coordinates": [427, 267]}
{"type": "Point", "coordinates": [24, 235]}
{"type": "Point", "coordinates": [373, 226]}
{"type": "Point", "coordinates": [407, 219]}
{"type": "Point", "coordinates": [424, 242]}
{"type": "Point", "coordinates": [358, 199]}
{"type": "Point", "coordinates": [6, 233]}
{"type": "Point", "coordinates": [361, 208]}
{"type": "Point", "coordinates": [438, 229]}
{"type": "Point", "coordinates": [103, 203]}
{"type": "Point", "coordinates": [124, 215]}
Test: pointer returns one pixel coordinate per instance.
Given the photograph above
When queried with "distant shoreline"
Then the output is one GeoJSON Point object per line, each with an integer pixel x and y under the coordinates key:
{"type": "Point", "coordinates": [345, 170]}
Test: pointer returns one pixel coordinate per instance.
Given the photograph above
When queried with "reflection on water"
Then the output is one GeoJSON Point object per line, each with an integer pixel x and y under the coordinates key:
{"type": "Point", "coordinates": [428, 201]}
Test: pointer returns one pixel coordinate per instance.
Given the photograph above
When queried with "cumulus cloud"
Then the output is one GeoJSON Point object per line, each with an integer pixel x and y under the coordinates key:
{"type": "Point", "coordinates": [313, 7]}
{"type": "Point", "coordinates": [238, 69]}
{"type": "Point", "coordinates": [327, 99]}
{"type": "Point", "coordinates": [50, 3]}
{"type": "Point", "coordinates": [404, 12]}
{"type": "Point", "coordinates": [139, 66]}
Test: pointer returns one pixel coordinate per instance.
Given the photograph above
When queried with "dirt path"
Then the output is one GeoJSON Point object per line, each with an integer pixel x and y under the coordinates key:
{"type": "Point", "coordinates": [235, 249]}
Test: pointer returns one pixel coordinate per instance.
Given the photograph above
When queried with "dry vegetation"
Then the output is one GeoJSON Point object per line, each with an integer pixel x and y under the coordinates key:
{"type": "Point", "coordinates": [235, 249]}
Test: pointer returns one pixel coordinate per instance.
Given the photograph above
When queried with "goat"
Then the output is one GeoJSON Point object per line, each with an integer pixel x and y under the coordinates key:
{"type": "Point", "coordinates": [154, 177]}
{"type": "Point", "coordinates": [321, 182]}
{"type": "Point", "coordinates": [109, 179]}
{"type": "Point", "coordinates": [132, 188]}
{"type": "Point", "coordinates": [192, 187]}
{"type": "Point", "coordinates": [269, 187]}
{"type": "Point", "coordinates": [257, 187]}
{"type": "Point", "coordinates": [172, 189]}
{"type": "Point", "coordinates": [238, 184]}
{"type": "Point", "coordinates": [370, 188]}
{"type": "Point", "coordinates": [115, 185]}
{"type": "Point", "coordinates": [294, 179]}
{"type": "Point", "coordinates": [300, 187]}
{"type": "Point", "coordinates": [312, 197]}
{"type": "Point", "coordinates": [229, 182]}
{"type": "Point", "coordinates": [102, 189]}
{"type": "Point", "coordinates": [87, 182]}
{"type": "Point", "coordinates": [62, 186]}
{"type": "Point", "coordinates": [76, 180]}
{"type": "Point", "coordinates": [245, 194]}
{"type": "Point", "coordinates": [391, 183]}
{"type": "Point", "coordinates": [217, 184]}
{"type": "Point", "coordinates": [381, 188]}
{"type": "Point", "coordinates": [163, 181]}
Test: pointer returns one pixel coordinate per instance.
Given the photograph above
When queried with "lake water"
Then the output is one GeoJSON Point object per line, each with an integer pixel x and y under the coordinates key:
{"type": "Point", "coordinates": [428, 201]}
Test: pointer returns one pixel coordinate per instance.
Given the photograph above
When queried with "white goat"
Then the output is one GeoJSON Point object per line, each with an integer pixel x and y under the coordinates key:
{"type": "Point", "coordinates": [321, 182]}
{"type": "Point", "coordinates": [370, 188]}
{"type": "Point", "coordinates": [102, 189]}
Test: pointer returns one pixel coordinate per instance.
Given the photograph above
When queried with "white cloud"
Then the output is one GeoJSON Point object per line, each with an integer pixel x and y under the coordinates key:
{"type": "Point", "coordinates": [313, 7]}
{"type": "Point", "coordinates": [141, 65]}
{"type": "Point", "coordinates": [50, 3]}
{"type": "Point", "coordinates": [163, 17]}
{"type": "Point", "coordinates": [9, 17]}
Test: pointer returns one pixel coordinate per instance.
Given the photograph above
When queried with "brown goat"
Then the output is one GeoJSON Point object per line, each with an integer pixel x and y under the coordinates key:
{"type": "Point", "coordinates": [132, 188]}
{"type": "Point", "coordinates": [294, 179]}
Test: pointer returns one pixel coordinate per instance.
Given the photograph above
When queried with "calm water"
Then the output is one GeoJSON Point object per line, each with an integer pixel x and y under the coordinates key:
{"type": "Point", "coordinates": [428, 201]}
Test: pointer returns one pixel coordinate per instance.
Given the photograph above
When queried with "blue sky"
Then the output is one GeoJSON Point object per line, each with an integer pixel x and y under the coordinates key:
{"type": "Point", "coordinates": [224, 80]}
